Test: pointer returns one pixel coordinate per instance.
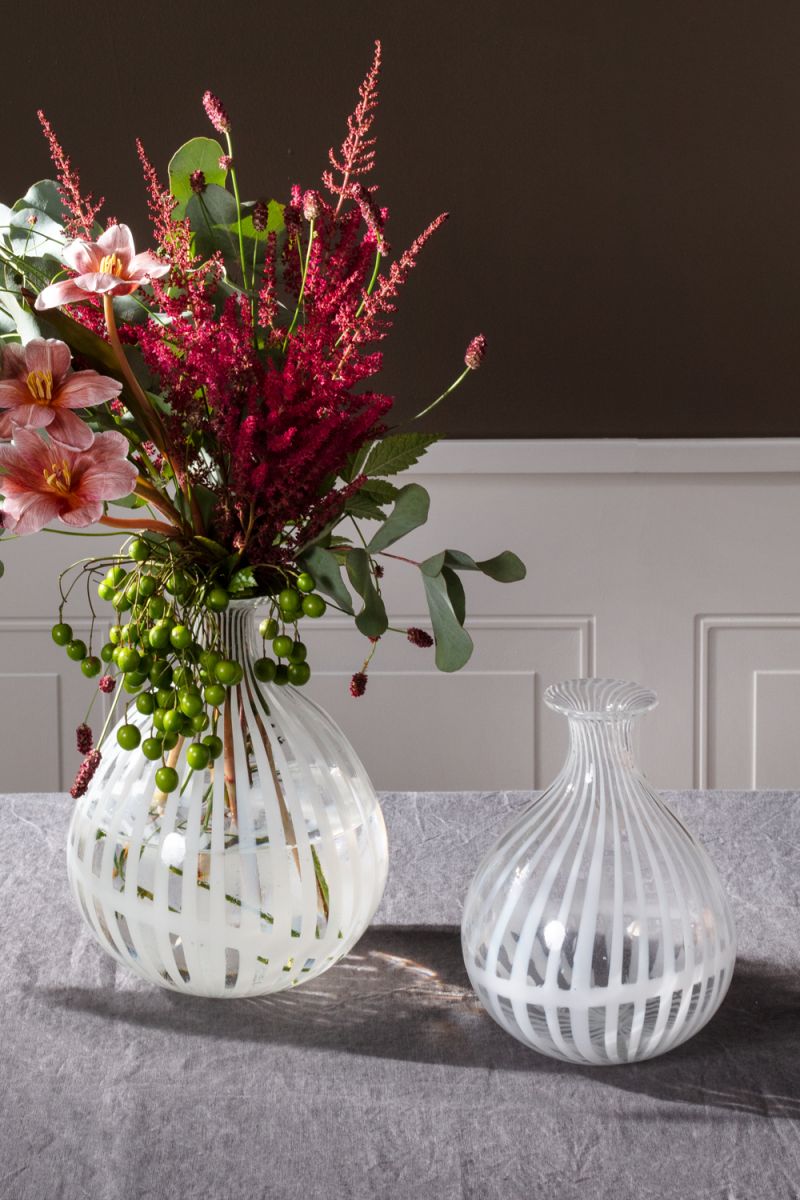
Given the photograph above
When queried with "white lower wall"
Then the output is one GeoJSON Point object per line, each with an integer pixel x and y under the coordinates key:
{"type": "Point", "coordinates": [672, 563]}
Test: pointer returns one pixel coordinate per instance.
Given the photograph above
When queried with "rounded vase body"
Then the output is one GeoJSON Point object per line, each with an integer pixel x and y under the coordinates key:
{"type": "Point", "coordinates": [259, 873]}
{"type": "Point", "coordinates": [597, 930]}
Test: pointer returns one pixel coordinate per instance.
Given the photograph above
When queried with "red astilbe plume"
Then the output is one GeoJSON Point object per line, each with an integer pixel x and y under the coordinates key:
{"type": "Point", "coordinates": [357, 153]}
{"type": "Point", "coordinates": [82, 209]}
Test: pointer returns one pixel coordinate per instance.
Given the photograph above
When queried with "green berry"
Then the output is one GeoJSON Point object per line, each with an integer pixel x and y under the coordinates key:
{"type": "Point", "coordinates": [139, 550]}
{"type": "Point", "coordinates": [128, 659]}
{"type": "Point", "coordinates": [170, 740]}
{"type": "Point", "coordinates": [116, 576]}
{"type": "Point", "coordinates": [299, 653]}
{"type": "Point", "coordinates": [305, 582]}
{"type": "Point", "coordinates": [228, 672]}
{"type": "Point", "coordinates": [128, 737]}
{"type": "Point", "coordinates": [282, 675]}
{"type": "Point", "coordinates": [160, 673]}
{"type": "Point", "coordinates": [167, 779]}
{"type": "Point", "coordinates": [166, 698]}
{"type": "Point", "coordinates": [197, 756]}
{"type": "Point", "coordinates": [209, 659]}
{"type": "Point", "coordinates": [268, 628]}
{"type": "Point", "coordinates": [214, 744]}
{"type": "Point", "coordinates": [76, 650]}
{"type": "Point", "coordinates": [152, 748]}
{"type": "Point", "coordinates": [158, 719]}
{"type": "Point", "coordinates": [133, 680]}
{"type": "Point", "coordinates": [191, 703]}
{"type": "Point", "coordinates": [156, 607]}
{"type": "Point", "coordinates": [289, 600]}
{"type": "Point", "coordinates": [200, 722]}
{"type": "Point", "coordinates": [217, 600]}
{"type": "Point", "coordinates": [177, 583]}
{"type": "Point", "coordinates": [282, 645]}
{"type": "Point", "coordinates": [172, 720]}
{"type": "Point", "coordinates": [158, 637]}
{"type": "Point", "coordinates": [181, 637]}
{"type": "Point", "coordinates": [215, 695]}
{"type": "Point", "coordinates": [105, 590]}
{"type": "Point", "coordinates": [264, 669]}
{"type": "Point", "coordinates": [61, 633]}
{"type": "Point", "coordinates": [314, 606]}
{"type": "Point", "coordinates": [299, 673]}
{"type": "Point", "coordinates": [107, 652]}
{"type": "Point", "coordinates": [115, 634]}
{"type": "Point", "coordinates": [147, 586]}
{"type": "Point", "coordinates": [146, 703]}
{"type": "Point", "coordinates": [91, 666]}
{"type": "Point", "coordinates": [121, 600]}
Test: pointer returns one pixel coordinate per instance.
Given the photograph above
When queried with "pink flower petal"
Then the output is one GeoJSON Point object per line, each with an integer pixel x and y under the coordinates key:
{"type": "Point", "coordinates": [13, 392]}
{"type": "Point", "coordinates": [32, 416]}
{"type": "Point", "coordinates": [14, 362]}
{"type": "Point", "coordinates": [33, 516]}
{"type": "Point", "coordinates": [100, 283]}
{"type": "Point", "coordinates": [48, 354]}
{"type": "Point", "coordinates": [6, 427]}
{"type": "Point", "coordinates": [83, 389]}
{"type": "Point", "coordinates": [69, 430]}
{"type": "Point", "coordinates": [65, 292]}
{"type": "Point", "coordinates": [118, 240]}
{"type": "Point", "coordinates": [83, 256]}
{"type": "Point", "coordinates": [85, 514]}
{"type": "Point", "coordinates": [147, 266]}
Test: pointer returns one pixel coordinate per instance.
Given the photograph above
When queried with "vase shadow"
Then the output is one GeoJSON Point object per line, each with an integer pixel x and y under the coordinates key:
{"type": "Point", "coordinates": [404, 994]}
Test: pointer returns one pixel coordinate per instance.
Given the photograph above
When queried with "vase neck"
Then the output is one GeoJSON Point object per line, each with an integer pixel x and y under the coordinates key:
{"type": "Point", "coordinates": [235, 626]}
{"type": "Point", "coordinates": [601, 713]}
{"type": "Point", "coordinates": [602, 741]}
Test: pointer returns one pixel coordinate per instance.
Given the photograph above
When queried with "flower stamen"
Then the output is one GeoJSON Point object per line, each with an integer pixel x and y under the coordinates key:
{"type": "Point", "coordinates": [40, 386]}
{"type": "Point", "coordinates": [58, 478]}
{"type": "Point", "coordinates": [111, 264]}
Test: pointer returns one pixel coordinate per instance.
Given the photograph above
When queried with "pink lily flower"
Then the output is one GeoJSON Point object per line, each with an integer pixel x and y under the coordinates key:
{"type": "Point", "coordinates": [109, 267]}
{"type": "Point", "coordinates": [40, 390]}
{"type": "Point", "coordinates": [45, 480]}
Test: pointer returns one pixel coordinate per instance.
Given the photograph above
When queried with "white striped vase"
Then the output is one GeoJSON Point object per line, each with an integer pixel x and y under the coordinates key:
{"type": "Point", "coordinates": [213, 898]}
{"type": "Point", "coordinates": [597, 930]}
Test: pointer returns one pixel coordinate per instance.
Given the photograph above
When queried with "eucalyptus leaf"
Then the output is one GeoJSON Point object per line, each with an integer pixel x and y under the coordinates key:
{"type": "Point", "coordinates": [212, 547]}
{"type": "Point", "coordinates": [199, 154]}
{"type": "Point", "coordinates": [455, 593]}
{"type": "Point", "coordinates": [45, 197]}
{"type": "Point", "coordinates": [131, 501]}
{"type": "Point", "coordinates": [2, 570]}
{"type": "Point", "coordinates": [327, 573]}
{"type": "Point", "coordinates": [453, 643]}
{"type": "Point", "coordinates": [410, 511]}
{"type": "Point", "coordinates": [25, 323]}
{"type": "Point", "coordinates": [503, 568]}
{"type": "Point", "coordinates": [372, 620]}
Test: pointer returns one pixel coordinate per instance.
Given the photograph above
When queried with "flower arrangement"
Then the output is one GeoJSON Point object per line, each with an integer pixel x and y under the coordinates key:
{"type": "Point", "coordinates": [216, 387]}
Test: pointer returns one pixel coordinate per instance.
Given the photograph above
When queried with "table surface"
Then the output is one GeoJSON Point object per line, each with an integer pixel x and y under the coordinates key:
{"type": "Point", "coordinates": [384, 1078]}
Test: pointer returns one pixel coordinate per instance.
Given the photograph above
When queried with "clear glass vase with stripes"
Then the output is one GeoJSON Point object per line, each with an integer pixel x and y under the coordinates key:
{"type": "Point", "coordinates": [597, 929]}
{"type": "Point", "coordinates": [258, 874]}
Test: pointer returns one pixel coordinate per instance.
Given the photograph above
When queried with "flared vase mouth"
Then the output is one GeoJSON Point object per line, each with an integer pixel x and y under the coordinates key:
{"type": "Point", "coordinates": [600, 699]}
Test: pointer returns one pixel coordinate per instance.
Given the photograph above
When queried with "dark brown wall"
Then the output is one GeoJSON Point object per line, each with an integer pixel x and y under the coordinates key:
{"type": "Point", "coordinates": [623, 179]}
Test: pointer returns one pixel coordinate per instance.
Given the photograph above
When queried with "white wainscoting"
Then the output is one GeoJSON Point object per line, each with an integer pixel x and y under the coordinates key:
{"type": "Point", "coordinates": [672, 563]}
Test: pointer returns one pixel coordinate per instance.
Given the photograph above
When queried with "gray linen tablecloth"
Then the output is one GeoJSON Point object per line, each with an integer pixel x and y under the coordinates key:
{"type": "Point", "coordinates": [384, 1078]}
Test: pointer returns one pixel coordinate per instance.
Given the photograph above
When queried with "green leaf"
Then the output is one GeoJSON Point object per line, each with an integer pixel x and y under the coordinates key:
{"type": "Point", "coordinates": [410, 511]}
{"type": "Point", "coordinates": [379, 490]}
{"type": "Point", "coordinates": [199, 154]}
{"type": "Point", "coordinates": [456, 594]}
{"type": "Point", "coordinates": [242, 581]}
{"type": "Point", "coordinates": [504, 568]}
{"type": "Point", "coordinates": [212, 216]}
{"type": "Point", "coordinates": [396, 453]}
{"type": "Point", "coordinates": [327, 573]}
{"type": "Point", "coordinates": [131, 501]}
{"type": "Point", "coordinates": [364, 508]}
{"type": "Point", "coordinates": [45, 197]}
{"type": "Point", "coordinates": [212, 547]}
{"type": "Point", "coordinates": [372, 620]}
{"type": "Point", "coordinates": [453, 643]}
{"type": "Point", "coordinates": [24, 320]}
{"type": "Point", "coordinates": [44, 238]}
{"type": "Point", "coordinates": [2, 570]}
{"type": "Point", "coordinates": [275, 222]}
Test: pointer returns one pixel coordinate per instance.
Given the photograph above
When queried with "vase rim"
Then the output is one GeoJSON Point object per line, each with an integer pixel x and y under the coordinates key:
{"type": "Point", "coordinates": [600, 699]}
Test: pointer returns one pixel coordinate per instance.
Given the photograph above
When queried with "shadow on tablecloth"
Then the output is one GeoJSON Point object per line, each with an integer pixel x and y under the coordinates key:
{"type": "Point", "coordinates": [403, 994]}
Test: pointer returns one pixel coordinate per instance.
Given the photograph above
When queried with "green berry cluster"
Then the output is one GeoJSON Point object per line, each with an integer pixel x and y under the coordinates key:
{"type": "Point", "coordinates": [166, 650]}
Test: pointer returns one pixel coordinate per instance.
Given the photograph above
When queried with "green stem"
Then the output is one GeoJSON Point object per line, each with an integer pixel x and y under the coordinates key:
{"type": "Point", "coordinates": [302, 284]}
{"type": "Point", "coordinates": [235, 183]}
{"type": "Point", "coordinates": [444, 394]}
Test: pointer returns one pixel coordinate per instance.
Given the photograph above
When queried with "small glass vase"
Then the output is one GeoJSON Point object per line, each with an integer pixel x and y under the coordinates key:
{"type": "Point", "coordinates": [597, 930]}
{"type": "Point", "coordinates": [259, 873]}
